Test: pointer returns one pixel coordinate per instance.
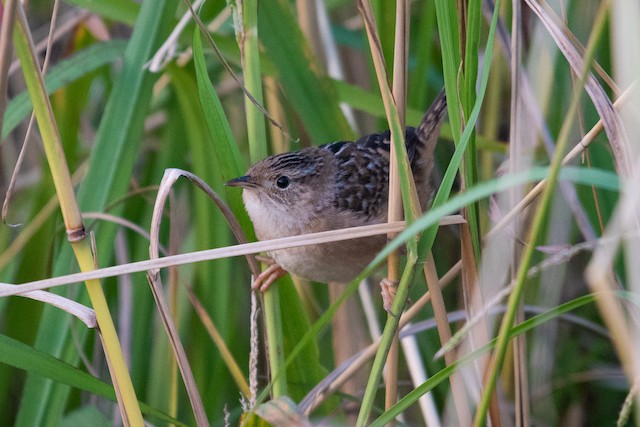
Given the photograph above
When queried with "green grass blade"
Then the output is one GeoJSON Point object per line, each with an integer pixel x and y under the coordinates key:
{"type": "Point", "coordinates": [311, 94]}
{"type": "Point", "coordinates": [21, 356]}
{"type": "Point", "coordinates": [427, 239]}
{"type": "Point", "coordinates": [226, 150]}
{"type": "Point", "coordinates": [61, 74]}
{"type": "Point", "coordinates": [124, 11]}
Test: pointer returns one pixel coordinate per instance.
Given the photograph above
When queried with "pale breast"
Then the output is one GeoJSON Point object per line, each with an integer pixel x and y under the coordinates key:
{"type": "Point", "coordinates": [330, 262]}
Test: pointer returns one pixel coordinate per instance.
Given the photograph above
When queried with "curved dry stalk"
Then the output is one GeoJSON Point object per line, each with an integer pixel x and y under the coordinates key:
{"type": "Point", "coordinates": [218, 253]}
{"type": "Point", "coordinates": [153, 276]}
{"type": "Point", "coordinates": [611, 120]}
{"type": "Point", "coordinates": [85, 314]}
{"type": "Point", "coordinates": [171, 175]}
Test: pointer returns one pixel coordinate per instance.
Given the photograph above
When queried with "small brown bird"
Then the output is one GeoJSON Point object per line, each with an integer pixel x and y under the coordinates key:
{"type": "Point", "coordinates": [332, 186]}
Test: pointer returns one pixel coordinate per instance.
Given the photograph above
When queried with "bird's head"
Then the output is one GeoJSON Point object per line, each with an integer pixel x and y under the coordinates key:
{"type": "Point", "coordinates": [286, 185]}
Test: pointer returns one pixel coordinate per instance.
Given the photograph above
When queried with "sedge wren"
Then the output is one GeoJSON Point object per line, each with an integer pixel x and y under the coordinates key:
{"type": "Point", "coordinates": [338, 185]}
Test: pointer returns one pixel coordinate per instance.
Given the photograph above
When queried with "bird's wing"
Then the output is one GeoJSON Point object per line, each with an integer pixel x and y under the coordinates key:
{"type": "Point", "coordinates": [362, 176]}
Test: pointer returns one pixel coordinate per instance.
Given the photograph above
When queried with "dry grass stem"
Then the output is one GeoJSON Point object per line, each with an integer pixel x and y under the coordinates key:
{"type": "Point", "coordinates": [6, 32]}
{"type": "Point", "coordinates": [218, 253]}
{"type": "Point", "coordinates": [85, 314]}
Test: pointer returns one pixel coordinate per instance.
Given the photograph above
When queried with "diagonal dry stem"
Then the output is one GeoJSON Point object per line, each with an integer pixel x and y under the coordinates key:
{"type": "Point", "coordinates": [577, 150]}
{"type": "Point", "coordinates": [218, 253]}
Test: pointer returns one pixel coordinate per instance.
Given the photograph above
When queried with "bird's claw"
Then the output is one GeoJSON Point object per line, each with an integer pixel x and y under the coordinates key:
{"type": "Point", "coordinates": [388, 292]}
{"type": "Point", "coordinates": [267, 277]}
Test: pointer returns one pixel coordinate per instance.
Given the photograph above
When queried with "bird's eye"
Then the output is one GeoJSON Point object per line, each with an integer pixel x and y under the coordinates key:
{"type": "Point", "coordinates": [282, 182]}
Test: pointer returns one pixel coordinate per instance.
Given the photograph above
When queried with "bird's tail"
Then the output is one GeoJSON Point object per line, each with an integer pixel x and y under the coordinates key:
{"type": "Point", "coordinates": [427, 134]}
{"type": "Point", "coordinates": [429, 128]}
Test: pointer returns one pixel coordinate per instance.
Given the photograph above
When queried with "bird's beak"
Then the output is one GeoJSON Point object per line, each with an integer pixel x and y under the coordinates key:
{"type": "Point", "coordinates": [242, 181]}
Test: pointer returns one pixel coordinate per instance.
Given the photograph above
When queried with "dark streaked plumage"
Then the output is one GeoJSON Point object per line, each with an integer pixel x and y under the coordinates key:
{"type": "Point", "coordinates": [337, 185]}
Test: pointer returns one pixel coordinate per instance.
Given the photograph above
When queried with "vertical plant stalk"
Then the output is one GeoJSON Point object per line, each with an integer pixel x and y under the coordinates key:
{"type": "Point", "coordinates": [125, 393]}
{"type": "Point", "coordinates": [173, 305]}
{"type": "Point", "coordinates": [8, 20]}
{"type": "Point", "coordinates": [399, 91]}
{"type": "Point", "coordinates": [519, 343]}
{"type": "Point", "coordinates": [471, 17]}
{"type": "Point", "coordinates": [250, 56]}
{"type": "Point", "coordinates": [247, 35]}
{"type": "Point", "coordinates": [409, 202]}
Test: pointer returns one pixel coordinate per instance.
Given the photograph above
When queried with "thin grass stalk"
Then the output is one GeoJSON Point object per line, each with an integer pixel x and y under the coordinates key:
{"type": "Point", "coordinates": [470, 33]}
{"type": "Point", "coordinates": [125, 393]}
{"type": "Point", "coordinates": [8, 21]}
{"type": "Point", "coordinates": [399, 90]}
{"type": "Point", "coordinates": [217, 253]}
{"type": "Point", "coordinates": [444, 333]}
{"type": "Point", "coordinates": [249, 52]}
{"type": "Point", "coordinates": [515, 161]}
{"type": "Point", "coordinates": [225, 353]}
{"type": "Point", "coordinates": [385, 342]}
{"type": "Point", "coordinates": [173, 306]}
{"type": "Point", "coordinates": [157, 289]}
{"type": "Point", "coordinates": [410, 202]}
{"type": "Point", "coordinates": [27, 136]}
{"type": "Point", "coordinates": [497, 358]}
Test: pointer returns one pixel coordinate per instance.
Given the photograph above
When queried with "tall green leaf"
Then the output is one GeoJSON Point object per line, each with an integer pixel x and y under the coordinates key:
{"type": "Point", "coordinates": [110, 168]}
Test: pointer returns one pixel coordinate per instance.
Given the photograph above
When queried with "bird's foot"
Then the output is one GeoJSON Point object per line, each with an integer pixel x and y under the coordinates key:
{"type": "Point", "coordinates": [267, 277]}
{"type": "Point", "coordinates": [388, 291]}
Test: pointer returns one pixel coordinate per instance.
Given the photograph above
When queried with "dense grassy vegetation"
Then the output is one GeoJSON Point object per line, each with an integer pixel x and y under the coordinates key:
{"type": "Point", "coordinates": [541, 278]}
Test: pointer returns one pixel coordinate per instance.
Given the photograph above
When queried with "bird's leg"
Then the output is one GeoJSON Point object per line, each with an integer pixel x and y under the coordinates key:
{"type": "Point", "coordinates": [388, 291]}
{"type": "Point", "coordinates": [270, 275]}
